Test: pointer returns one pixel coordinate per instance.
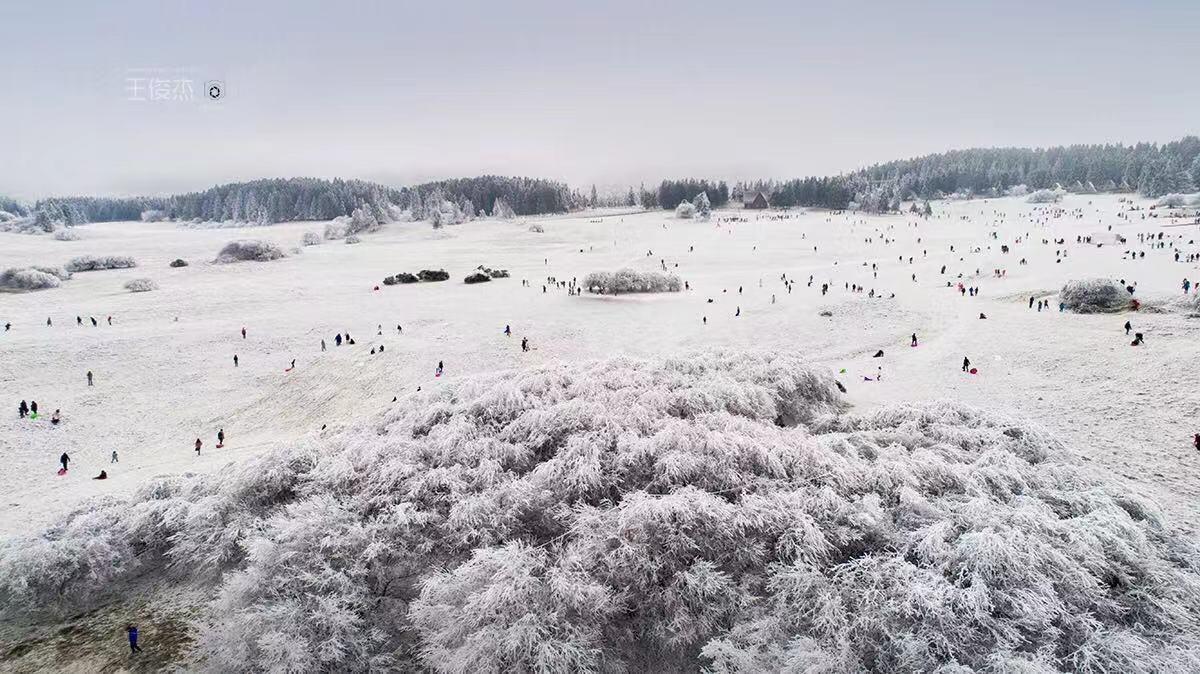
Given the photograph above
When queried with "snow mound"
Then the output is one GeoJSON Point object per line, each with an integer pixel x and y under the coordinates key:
{"type": "Point", "coordinates": [310, 239]}
{"type": "Point", "coordinates": [715, 510]}
{"type": "Point", "coordinates": [249, 250]}
{"type": "Point", "coordinates": [141, 285]}
{"type": "Point", "coordinates": [353, 238]}
{"type": "Point", "coordinates": [631, 281]}
{"type": "Point", "coordinates": [1094, 296]}
{"type": "Point", "coordinates": [32, 278]}
{"type": "Point", "coordinates": [66, 234]}
{"type": "Point", "coordinates": [101, 262]}
{"type": "Point", "coordinates": [178, 262]}
{"type": "Point", "coordinates": [477, 277]}
{"type": "Point", "coordinates": [537, 228]}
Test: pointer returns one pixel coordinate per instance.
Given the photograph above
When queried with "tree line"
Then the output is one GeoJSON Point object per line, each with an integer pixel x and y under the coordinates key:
{"type": "Point", "coordinates": [290, 199]}
{"type": "Point", "coordinates": [1150, 169]}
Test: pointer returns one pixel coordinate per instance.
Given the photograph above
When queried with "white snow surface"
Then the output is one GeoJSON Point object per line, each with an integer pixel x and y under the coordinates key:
{"type": "Point", "coordinates": [164, 372]}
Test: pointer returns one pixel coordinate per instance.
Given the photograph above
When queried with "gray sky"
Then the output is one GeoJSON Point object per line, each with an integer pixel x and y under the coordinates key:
{"type": "Point", "coordinates": [607, 92]}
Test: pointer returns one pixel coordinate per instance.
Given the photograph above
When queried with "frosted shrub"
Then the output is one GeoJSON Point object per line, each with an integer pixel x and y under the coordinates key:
{"type": "Point", "coordinates": [719, 510]}
{"type": "Point", "coordinates": [702, 205]}
{"type": "Point", "coordinates": [178, 262]}
{"type": "Point", "coordinates": [337, 228]}
{"type": "Point", "coordinates": [97, 263]}
{"type": "Point", "coordinates": [353, 238]}
{"type": "Point", "coordinates": [362, 221]}
{"type": "Point", "coordinates": [249, 250]}
{"type": "Point", "coordinates": [401, 278]}
{"type": "Point", "coordinates": [1173, 201]}
{"type": "Point", "coordinates": [153, 215]}
{"type": "Point", "coordinates": [32, 278]}
{"type": "Point", "coordinates": [630, 281]}
{"type": "Point", "coordinates": [310, 239]}
{"type": "Point", "coordinates": [1092, 296]}
{"type": "Point", "coordinates": [66, 234]}
{"type": "Point", "coordinates": [1044, 197]}
{"type": "Point", "coordinates": [685, 210]}
{"type": "Point", "coordinates": [431, 275]}
{"type": "Point", "coordinates": [537, 228]}
{"type": "Point", "coordinates": [141, 285]}
{"type": "Point", "coordinates": [1017, 191]}
{"type": "Point", "coordinates": [477, 277]}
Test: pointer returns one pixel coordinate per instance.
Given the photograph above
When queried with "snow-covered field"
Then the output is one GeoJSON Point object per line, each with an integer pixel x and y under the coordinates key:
{"type": "Point", "coordinates": [866, 491]}
{"type": "Point", "coordinates": [164, 372]}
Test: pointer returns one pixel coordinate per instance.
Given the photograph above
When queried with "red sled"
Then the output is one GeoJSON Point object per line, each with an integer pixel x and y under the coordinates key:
{"type": "Point", "coordinates": [62, 471]}
{"type": "Point", "coordinates": [974, 371]}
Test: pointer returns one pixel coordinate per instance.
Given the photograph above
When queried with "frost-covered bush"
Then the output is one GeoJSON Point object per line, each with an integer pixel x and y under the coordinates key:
{"type": "Point", "coordinates": [33, 278]}
{"type": "Point", "coordinates": [1092, 296]}
{"type": "Point", "coordinates": [1044, 197]}
{"type": "Point", "coordinates": [66, 234]}
{"type": "Point", "coordinates": [631, 281]}
{"type": "Point", "coordinates": [1173, 201]}
{"type": "Point", "coordinates": [685, 209]}
{"type": "Point", "coordinates": [141, 285]}
{"type": "Point", "coordinates": [337, 228]}
{"type": "Point", "coordinates": [431, 275]}
{"type": "Point", "coordinates": [353, 238]}
{"type": "Point", "coordinates": [492, 273]}
{"type": "Point", "coordinates": [719, 510]}
{"type": "Point", "coordinates": [178, 262]}
{"type": "Point", "coordinates": [249, 250]}
{"type": "Point", "coordinates": [153, 215]}
{"type": "Point", "coordinates": [362, 221]}
{"type": "Point", "coordinates": [537, 228]}
{"type": "Point", "coordinates": [1017, 191]}
{"type": "Point", "coordinates": [401, 278]}
{"type": "Point", "coordinates": [100, 262]}
{"type": "Point", "coordinates": [477, 277]}
{"type": "Point", "coordinates": [310, 239]}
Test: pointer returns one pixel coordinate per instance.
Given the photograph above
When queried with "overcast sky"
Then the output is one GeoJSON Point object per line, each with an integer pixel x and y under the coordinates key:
{"type": "Point", "coordinates": [610, 92]}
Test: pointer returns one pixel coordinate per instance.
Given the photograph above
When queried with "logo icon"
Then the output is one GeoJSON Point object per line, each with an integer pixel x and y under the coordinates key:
{"type": "Point", "coordinates": [214, 90]}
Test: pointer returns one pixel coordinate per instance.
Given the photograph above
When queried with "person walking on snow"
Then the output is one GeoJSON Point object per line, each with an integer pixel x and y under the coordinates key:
{"type": "Point", "coordinates": [64, 460]}
{"type": "Point", "coordinates": [235, 360]}
{"type": "Point", "coordinates": [524, 343]}
{"type": "Point", "coordinates": [243, 332]}
{"type": "Point", "coordinates": [33, 409]}
{"type": "Point", "coordinates": [914, 339]}
{"type": "Point", "coordinates": [1128, 327]}
{"type": "Point", "coordinates": [89, 377]}
{"type": "Point", "coordinates": [114, 457]}
{"type": "Point", "coordinates": [220, 438]}
{"type": "Point", "coordinates": [322, 345]}
{"type": "Point", "coordinates": [23, 409]}
{"type": "Point", "coordinates": [966, 364]}
{"type": "Point", "coordinates": [198, 445]}
{"type": "Point", "coordinates": [132, 631]}
{"type": "Point", "coordinates": [507, 331]}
